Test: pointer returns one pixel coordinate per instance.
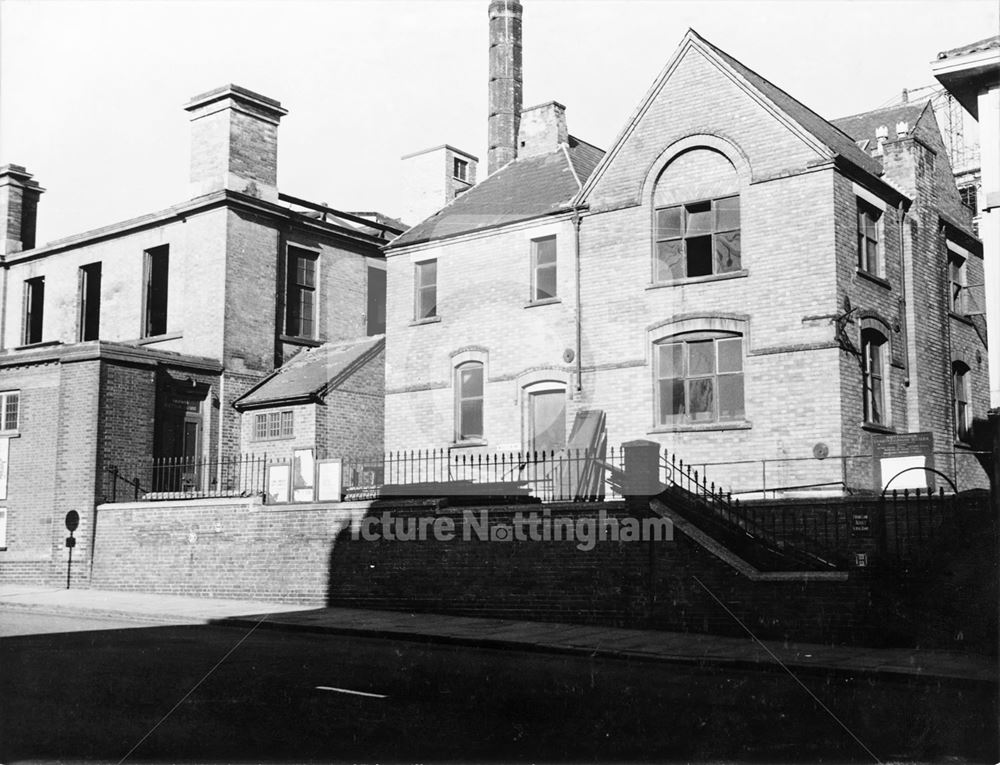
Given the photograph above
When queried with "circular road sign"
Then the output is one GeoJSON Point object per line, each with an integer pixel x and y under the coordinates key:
{"type": "Point", "coordinates": [72, 520]}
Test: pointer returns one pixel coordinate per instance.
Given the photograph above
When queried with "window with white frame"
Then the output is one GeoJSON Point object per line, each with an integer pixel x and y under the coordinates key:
{"type": "Point", "coordinates": [543, 269]}
{"type": "Point", "coordinates": [268, 425]}
{"type": "Point", "coordinates": [874, 347]}
{"type": "Point", "coordinates": [697, 239]}
{"type": "Point", "coordinates": [10, 411]}
{"type": "Point", "coordinates": [425, 290]}
{"type": "Point", "coordinates": [460, 169]}
{"type": "Point", "coordinates": [869, 245]}
{"type": "Point", "coordinates": [962, 382]}
{"type": "Point", "coordinates": [699, 379]}
{"type": "Point", "coordinates": [469, 401]}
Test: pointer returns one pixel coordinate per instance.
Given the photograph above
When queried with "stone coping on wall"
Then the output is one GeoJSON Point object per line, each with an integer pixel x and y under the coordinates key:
{"type": "Point", "coordinates": [727, 556]}
{"type": "Point", "coordinates": [251, 503]}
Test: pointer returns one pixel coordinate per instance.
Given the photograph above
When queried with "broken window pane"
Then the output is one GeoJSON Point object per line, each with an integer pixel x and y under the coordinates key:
{"type": "Point", "coordinates": [670, 260]}
{"type": "Point", "coordinates": [699, 256]}
{"type": "Point", "coordinates": [699, 219]}
{"type": "Point", "coordinates": [727, 252]}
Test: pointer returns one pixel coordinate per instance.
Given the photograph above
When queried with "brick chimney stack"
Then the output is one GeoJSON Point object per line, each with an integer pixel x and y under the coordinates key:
{"type": "Point", "coordinates": [234, 142]}
{"type": "Point", "coordinates": [542, 130]}
{"type": "Point", "coordinates": [505, 82]}
{"type": "Point", "coordinates": [18, 209]}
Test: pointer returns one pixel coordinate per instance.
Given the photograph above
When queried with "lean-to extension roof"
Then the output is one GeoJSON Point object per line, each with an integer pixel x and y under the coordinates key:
{"type": "Point", "coordinates": [313, 373]}
{"type": "Point", "coordinates": [521, 190]}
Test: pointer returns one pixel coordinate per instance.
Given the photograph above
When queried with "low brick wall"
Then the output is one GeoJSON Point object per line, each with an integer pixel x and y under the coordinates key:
{"type": "Point", "coordinates": [308, 554]}
{"type": "Point", "coordinates": [223, 548]}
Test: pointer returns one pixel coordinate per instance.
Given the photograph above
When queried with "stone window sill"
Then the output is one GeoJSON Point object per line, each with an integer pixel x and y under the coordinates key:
{"type": "Point", "coordinates": [701, 426]}
{"type": "Point", "coordinates": [308, 341]}
{"type": "Point", "coordinates": [160, 338]}
{"type": "Point", "coordinates": [428, 320]}
{"type": "Point", "coordinates": [700, 279]}
{"type": "Point", "coordinates": [874, 427]}
{"type": "Point", "coordinates": [42, 344]}
{"type": "Point", "coordinates": [468, 443]}
{"type": "Point", "coordinates": [546, 301]}
{"type": "Point", "coordinates": [964, 318]}
{"type": "Point", "coordinates": [874, 279]}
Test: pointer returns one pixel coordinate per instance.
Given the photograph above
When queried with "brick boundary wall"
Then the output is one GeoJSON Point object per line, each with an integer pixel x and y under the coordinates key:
{"type": "Point", "coordinates": [241, 548]}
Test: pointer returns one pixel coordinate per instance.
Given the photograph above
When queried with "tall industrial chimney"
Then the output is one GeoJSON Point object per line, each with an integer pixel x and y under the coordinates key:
{"type": "Point", "coordinates": [505, 82]}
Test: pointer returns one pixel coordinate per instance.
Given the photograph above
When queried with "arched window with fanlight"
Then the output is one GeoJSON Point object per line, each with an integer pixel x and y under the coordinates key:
{"type": "Point", "coordinates": [875, 362]}
{"type": "Point", "coordinates": [962, 383]}
{"type": "Point", "coordinates": [699, 378]}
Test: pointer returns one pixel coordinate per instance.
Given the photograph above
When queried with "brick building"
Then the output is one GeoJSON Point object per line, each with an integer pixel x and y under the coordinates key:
{"type": "Point", "coordinates": [131, 343]}
{"type": "Point", "coordinates": [736, 278]}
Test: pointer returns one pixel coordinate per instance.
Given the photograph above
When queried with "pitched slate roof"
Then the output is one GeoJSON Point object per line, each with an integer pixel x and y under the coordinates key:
{"type": "Point", "coordinates": [821, 129]}
{"type": "Point", "coordinates": [924, 127]}
{"type": "Point", "coordinates": [979, 45]}
{"type": "Point", "coordinates": [311, 374]}
{"type": "Point", "coordinates": [521, 190]}
{"type": "Point", "coordinates": [862, 126]}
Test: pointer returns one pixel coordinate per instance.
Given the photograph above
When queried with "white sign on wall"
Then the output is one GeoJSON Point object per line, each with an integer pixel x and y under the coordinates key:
{"type": "Point", "coordinates": [4, 461]}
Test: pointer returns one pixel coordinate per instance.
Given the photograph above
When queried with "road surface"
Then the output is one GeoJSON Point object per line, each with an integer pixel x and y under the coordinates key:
{"type": "Point", "coordinates": [124, 691]}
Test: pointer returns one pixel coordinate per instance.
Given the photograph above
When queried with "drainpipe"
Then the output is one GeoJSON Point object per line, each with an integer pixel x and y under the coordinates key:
{"type": "Point", "coordinates": [577, 220]}
{"type": "Point", "coordinates": [942, 251]}
{"type": "Point", "coordinates": [902, 299]}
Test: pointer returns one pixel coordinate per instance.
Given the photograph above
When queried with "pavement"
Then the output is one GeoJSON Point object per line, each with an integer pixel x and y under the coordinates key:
{"type": "Point", "coordinates": [547, 637]}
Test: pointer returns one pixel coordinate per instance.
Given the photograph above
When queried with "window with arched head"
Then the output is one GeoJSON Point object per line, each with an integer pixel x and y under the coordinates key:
{"type": "Point", "coordinates": [962, 382]}
{"type": "Point", "coordinates": [469, 401]}
{"type": "Point", "coordinates": [874, 353]}
{"type": "Point", "coordinates": [696, 225]}
{"type": "Point", "coordinates": [699, 378]}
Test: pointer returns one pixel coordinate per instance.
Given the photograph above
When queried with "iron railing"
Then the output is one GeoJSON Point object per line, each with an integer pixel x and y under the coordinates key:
{"type": "Point", "coordinates": [181, 478]}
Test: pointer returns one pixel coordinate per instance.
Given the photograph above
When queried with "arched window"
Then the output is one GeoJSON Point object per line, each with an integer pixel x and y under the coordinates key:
{"type": "Point", "coordinates": [699, 378]}
{"type": "Point", "coordinates": [961, 379]}
{"type": "Point", "coordinates": [469, 401]}
{"type": "Point", "coordinates": [874, 358]}
{"type": "Point", "coordinates": [697, 217]}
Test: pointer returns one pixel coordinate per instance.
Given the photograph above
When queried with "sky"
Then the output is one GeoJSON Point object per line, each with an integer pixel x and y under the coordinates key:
{"type": "Point", "coordinates": [91, 91]}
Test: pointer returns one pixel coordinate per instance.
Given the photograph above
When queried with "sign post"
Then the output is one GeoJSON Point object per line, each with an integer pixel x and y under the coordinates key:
{"type": "Point", "coordinates": [72, 523]}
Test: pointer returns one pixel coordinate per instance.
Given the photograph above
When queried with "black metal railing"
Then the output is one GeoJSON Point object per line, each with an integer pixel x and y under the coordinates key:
{"type": "Point", "coordinates": [569, 474]}
{"type": "Point", "coordinates": [180, 478]}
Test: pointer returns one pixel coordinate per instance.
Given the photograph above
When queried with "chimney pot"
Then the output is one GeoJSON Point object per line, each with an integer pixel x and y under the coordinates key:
{"type": "Point", "coordinates": [902, 128]}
